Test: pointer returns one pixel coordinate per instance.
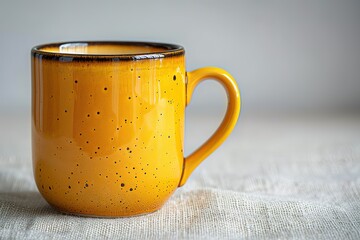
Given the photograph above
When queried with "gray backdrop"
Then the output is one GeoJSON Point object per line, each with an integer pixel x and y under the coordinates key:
{"type": "Point", "coordinates": [286, 55]}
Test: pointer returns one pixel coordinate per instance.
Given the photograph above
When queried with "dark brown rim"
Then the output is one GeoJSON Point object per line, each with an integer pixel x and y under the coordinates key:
{"type": "Point", "coordinates": [169, 51]}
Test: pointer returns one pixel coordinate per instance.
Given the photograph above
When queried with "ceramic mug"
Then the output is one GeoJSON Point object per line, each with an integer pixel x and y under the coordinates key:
{"type": "Point", "coordinates": [108, 124]}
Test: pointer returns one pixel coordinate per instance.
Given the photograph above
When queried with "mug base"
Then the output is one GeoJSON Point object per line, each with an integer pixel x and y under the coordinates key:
{"type": "Point", "coordinates": [102, 216]}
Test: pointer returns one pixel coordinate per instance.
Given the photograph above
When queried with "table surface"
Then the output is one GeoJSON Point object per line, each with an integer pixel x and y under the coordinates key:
{"type": "Point", "coordinates": [276, 177]}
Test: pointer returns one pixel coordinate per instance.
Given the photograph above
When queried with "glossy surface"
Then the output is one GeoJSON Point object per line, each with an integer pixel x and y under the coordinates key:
{"type": "Point", "coordinates": [108, 136]}
{"type": "Point", "coordinates": [108, 129]}
{"type": "Point", "coordinates": [228, 123]}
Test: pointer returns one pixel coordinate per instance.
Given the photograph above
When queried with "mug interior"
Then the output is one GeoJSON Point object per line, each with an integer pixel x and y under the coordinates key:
{"type": "Point", "coordinates": [107, 48]}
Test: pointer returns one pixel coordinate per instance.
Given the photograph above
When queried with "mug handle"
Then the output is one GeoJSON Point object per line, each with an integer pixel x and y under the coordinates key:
{"type": "Point", "coordinates": [227, 124]}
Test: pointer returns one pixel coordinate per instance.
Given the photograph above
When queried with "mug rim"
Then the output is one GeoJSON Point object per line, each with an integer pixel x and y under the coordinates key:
{"type": "Point", "coordinates": [168, 50]}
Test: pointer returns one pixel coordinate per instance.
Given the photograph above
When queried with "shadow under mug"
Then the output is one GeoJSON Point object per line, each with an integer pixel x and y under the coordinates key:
{"type": "Point", "coordinates": [108, 124]}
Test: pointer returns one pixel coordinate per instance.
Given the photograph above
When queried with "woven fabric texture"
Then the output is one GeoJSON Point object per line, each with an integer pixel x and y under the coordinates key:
{"type": "Point", "coordinates": [274, 178]}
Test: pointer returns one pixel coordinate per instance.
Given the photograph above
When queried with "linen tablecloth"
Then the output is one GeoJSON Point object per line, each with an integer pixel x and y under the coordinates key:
{"type": "Point", "coordinates": [276, 177]}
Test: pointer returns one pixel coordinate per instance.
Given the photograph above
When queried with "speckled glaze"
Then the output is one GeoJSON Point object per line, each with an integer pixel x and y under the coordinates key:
{"type": "Point", "coordinates": [108, 129]}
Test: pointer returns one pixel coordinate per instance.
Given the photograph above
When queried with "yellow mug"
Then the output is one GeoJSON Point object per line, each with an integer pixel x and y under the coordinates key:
{"type": "Point", "coordinates": [108, 124]}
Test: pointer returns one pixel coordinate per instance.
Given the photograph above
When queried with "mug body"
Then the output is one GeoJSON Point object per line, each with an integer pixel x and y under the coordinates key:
{"type": "Point", "coordinates": [108, 125]}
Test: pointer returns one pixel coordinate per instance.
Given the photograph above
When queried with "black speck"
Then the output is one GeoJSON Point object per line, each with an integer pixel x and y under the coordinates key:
{"type": "Point", "coordinates": [129, 98]}
{"type": "Point", "coordinates": [76, 81]}
{"type": "Point", "coordinates": [98, 113]}
{"type": "Point", "coordinates": [49, 188]}
{"type": "Point", "coordinates": [123, 185]}
{"type": "Point", "coordinates": [131, 189]}
{"type": "Point", "coordinates": [105, 88]}
{"type": "Point", "coordinates": [168, 136]}
{"type": "Point", "coordinates": [174, 77]}
{"type": "Point", "coordinates": [65, 110]}
{"type": "Point", "coordinates": [88, 115]}
{"type": "Point", "coordinates": [69, 187]}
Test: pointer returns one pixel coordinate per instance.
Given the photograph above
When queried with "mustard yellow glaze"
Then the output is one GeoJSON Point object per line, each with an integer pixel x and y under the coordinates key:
{"type": "Point", "coordinates": [228, 123]}
{"type": "Point", "coordinates": [108, 125]}
{"type": "Point", "coordinates": [108, 136]}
